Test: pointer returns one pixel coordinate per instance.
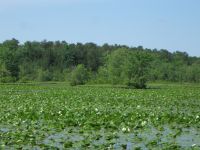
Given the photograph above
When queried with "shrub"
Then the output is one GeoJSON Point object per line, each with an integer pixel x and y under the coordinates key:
{"type": "Point", "coordinates": [7, 79]}
{"type": "Point", "coordinates": [44, 75]}
{"type": "Point", "coordinates": [79, 75]}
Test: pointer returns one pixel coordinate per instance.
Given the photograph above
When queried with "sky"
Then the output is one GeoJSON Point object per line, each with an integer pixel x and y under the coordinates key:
{"type": "Point", "coordinates": [163, 24]}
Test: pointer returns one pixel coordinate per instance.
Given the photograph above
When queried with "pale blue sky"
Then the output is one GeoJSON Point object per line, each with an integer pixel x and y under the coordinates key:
{"type": "Point", "coordinates": [167, 24]}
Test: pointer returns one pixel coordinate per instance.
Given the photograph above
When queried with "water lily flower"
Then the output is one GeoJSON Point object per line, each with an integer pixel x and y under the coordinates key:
{"type": "Point", "coordinates": [138, 106]}
{"type": "Point", "coordinates": [124, 129]}
{"type": "Point", "coordinates": [193, 145]}
{"type": "Point", "coordinates": [144, 123]}
{"type": "Point", "coordinates": [60, 113]}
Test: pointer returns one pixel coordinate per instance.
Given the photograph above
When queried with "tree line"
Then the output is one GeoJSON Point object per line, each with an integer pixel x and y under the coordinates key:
{"type": "Point", "coordinates": [80, 63]}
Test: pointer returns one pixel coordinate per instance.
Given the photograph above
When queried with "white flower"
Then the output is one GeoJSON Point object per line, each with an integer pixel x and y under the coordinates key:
{"type": "Point", "coordinates": [138, 106]}
{"type": "Point", "coordinates": [96, 109]}
{"type": "Point", "coordinates": [60, 113]}
{"type": "Point", "coordinates": [98, 113]}
{"type": "Point", "coordinates": [41, 110]}
{"type": "Point", "coordinates": [110, 147]}
{"type": "Point", "coordinates": [124, 129]}
{"type": "Point", "coordinates": [193, 145]}
{"type": "Point", "coordinates": [197, 117]}
{"type": "Point", "coordinates": [143, 123]}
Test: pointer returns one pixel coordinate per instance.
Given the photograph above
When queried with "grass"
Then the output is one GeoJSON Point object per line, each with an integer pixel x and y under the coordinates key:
{"type": "Point", "coordinates": [57, 116]}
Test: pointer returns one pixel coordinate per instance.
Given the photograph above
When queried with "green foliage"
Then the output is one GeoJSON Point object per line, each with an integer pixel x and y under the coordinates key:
{"type": "Point", "coordinates": [5, 75]}
{"type": "Point", "coordinates": [102, 75]}
{"type": "Point", "coordinates": [79, 75]}
{"type": "Point", "coordinates": [44, 75]}
{"type": "Point", "coordinates": [10, 58]}
{"type": "Point", "coordinates": [7, 79]}
{"type": "Point", "coordinates": [56, 116]}
{"type": "Point", "coordinates": [57, 75]}
{"type": "Point", "coordinates": [116, 64]}
{"type": "Point", "coordinates": [128, 67]}
{"type": "Point", "coordinates": [138, 69]}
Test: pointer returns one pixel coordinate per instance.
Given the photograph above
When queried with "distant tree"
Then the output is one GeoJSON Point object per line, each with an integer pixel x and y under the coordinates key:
{"type": "Point", "coordinates": [193, 73]}
{"type": "Point", "coordinates": [116, 66]}
{"type": "Point", "coordinates": [44, 75]}
{"type": "Point", "coordinates": [138, 69]}
{"type": "Point", "coordinates": [9, 57]}
{"type": "Point", "coordinates": [165, 55]}
{"type": "Point", "coordinates": [128, 67]}
{"type": "Point", "coordinates": [79, 75]}
{"type": "Point", "coordinates": [103, 75]}
{"type": "Point", "coordinates": [5, 75]}
{"type": "Point", "coordinates": [93, 56]}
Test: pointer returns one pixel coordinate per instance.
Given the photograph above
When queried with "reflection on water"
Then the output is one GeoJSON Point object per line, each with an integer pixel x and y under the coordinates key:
{"type": "Point", "coordinates": [4, 130]}
{"type": "Point", "coordinates": [145, 139]}
{"type": "Point", "coordinates": [150, 137]}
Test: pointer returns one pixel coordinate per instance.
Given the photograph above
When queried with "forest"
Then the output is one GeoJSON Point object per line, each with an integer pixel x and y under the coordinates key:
{"type": "Point", "coordinates": [90, 63]}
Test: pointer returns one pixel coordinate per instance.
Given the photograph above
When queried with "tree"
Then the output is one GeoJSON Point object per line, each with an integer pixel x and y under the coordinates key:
{"type": "Point", "coordinates": [137, 69]}
{"type": "Point", "coordinates": [79, 75]}
{"type": "Point", "coordinates": [102, 75]}
{"type": "Point", "coordinates": [116, 66]}
{"type": "Point", "coordinates": [5, 76]}
{"type": "Point", "coordinates": [9, 57]}
{"type": "Point", "coordinates": [129, 68]}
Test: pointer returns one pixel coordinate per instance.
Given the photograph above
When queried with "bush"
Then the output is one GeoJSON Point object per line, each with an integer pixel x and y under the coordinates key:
{"type": "Point", "coordinates": [7, 79]}
{"type": "Point", "coordinates": [102, 77]}
{"type": "Point", "coordinates": [79, 76]}
{"type": "Point", "coordinates": [57, 76]}
{"type": "Point", "coordinates": [5, 75]}
{"type": "Point", "coordinates": [44, 75]}
{"type": "Point", "coordinates": [138, 83]}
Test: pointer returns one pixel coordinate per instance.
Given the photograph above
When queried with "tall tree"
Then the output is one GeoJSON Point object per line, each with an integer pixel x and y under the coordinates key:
{"type": "Point", "coordinates": [10, 58]}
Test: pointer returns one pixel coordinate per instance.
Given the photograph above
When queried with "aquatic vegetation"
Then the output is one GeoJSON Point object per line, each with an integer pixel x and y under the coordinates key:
{"type": "Point", "coordinates": [37, 116]}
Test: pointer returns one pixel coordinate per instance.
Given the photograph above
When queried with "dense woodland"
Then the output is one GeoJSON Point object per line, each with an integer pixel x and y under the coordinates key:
{"type": "Point", "coordinates": [116, 64]}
